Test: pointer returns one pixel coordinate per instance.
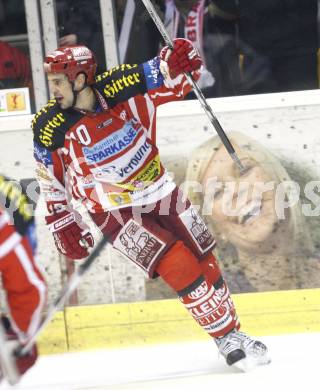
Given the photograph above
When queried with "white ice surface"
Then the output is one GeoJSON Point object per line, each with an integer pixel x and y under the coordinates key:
{"type": "Point", "coordinates": [185, 366]}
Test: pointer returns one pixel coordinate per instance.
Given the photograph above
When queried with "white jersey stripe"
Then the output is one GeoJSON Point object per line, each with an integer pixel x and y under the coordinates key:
{"type": "Point", "coordinates": [9, 244]}
{"type": "Point", "coordinates": [4, 219]}
{"type": "Point", "coordinates": [151, 112]}
{"type": "Point", "coordinates": [133, 108]}
{"type": "Point", "coordinates": [166, 94]}
{"type": "Point", "coordinates": [76, 166]}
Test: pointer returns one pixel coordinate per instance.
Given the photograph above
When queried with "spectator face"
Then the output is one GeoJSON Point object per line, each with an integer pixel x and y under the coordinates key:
{"type": "Point", "coordinates": [242, 210]}
{"type": "Point", "coordinates": [61, 88]}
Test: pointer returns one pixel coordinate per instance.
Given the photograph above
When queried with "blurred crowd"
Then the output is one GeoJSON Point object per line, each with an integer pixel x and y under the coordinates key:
{"type": "Point", "coordinates": [248, 46]}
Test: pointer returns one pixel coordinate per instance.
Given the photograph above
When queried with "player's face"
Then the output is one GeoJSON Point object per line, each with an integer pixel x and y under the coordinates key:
{"type": "Point", "coordinates": [253, 218]}
{"type": "Point", "coordinates": [61, 88]}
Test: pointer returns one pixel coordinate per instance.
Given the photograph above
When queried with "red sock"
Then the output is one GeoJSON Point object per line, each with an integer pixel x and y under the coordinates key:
{"type": "Point", "coordinates": [209, 303]}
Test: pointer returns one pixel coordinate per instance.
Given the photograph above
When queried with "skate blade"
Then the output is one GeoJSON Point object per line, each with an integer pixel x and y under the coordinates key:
{"type": "Point", "coordinates": [250, 363]}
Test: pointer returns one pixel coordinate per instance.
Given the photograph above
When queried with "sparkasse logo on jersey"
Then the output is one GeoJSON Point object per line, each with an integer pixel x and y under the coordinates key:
{"type": "Point", "coordinates": [110, 146]}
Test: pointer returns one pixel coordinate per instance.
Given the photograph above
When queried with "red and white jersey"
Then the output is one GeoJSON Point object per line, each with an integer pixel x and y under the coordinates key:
{"type": "Point", "coordinates": [21, 277]}
{"type": "Point", "coordinates": [107, 159]}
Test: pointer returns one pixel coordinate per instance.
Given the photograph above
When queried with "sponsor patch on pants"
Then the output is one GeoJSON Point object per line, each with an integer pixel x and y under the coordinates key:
{"type": "Point", "coordinates": [198, 230]}
{"type": "Point", "coordinates": [139, 245]}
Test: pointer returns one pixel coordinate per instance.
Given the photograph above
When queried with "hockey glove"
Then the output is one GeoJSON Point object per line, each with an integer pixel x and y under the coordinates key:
{"type": "Point", "coordinates": [72, 237]}
{"type": "Point", "coordinates": [24, 362]}
{"type": "Point", "coordinates": [182, 58]}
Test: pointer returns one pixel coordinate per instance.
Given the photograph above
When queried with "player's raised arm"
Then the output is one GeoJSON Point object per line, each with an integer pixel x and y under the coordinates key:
{"type": "Point", "coordinates": [160, 77]}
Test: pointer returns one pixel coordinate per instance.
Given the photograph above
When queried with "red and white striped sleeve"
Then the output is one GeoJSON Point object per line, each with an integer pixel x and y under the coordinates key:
{"type": "Point", "coordinates": [159, 91]}
{"type": "Point", "coordinates": [144, 107]}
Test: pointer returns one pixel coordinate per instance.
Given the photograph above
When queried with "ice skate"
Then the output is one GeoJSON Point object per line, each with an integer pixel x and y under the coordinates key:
{"type": "Point", "coordinates": [242, 351]}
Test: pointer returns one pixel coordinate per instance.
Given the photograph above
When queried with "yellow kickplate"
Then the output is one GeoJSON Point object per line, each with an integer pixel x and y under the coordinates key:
{"type": "Point", "coordinates": [138, 323]}
{"type": "Point", "coordinates": [114, 326]}
{"type": "Point", "coordinates": [165, 321]}
{"type": "Point", "coordinates": [53, 339]}
{"type": "Point", "coordinates": [279, 312]}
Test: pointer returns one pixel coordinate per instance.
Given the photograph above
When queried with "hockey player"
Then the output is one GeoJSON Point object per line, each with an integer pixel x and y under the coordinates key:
{"type": "Point", "coordinates": [22, 279]}
{"type": "Point", "coordinates": [95, 142]}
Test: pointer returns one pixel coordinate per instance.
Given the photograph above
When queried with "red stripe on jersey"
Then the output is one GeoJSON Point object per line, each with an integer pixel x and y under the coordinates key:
{"type": "Point", "coordinates": [142, 109]}
{"type": "Point", "coordinates": [58, 167]}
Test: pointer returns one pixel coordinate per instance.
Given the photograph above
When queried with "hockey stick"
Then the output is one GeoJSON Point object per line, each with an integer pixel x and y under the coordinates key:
{"type": "Point", "coordinates": [64, 295]}
{"type": "Point", "coordinates": [214, 121]}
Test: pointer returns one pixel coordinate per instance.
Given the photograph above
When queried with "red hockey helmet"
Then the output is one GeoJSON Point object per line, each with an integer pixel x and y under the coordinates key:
{"type": "Point", "coordinates": [72, 60]}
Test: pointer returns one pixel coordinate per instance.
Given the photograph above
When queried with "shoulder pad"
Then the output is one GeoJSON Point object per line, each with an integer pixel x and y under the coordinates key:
{"type": "Point", "coordinates": [14, 200]}
{"type": "Point", "coordinates": [51, 124]}
{"type": "Point", "coordinates": [119, 84]}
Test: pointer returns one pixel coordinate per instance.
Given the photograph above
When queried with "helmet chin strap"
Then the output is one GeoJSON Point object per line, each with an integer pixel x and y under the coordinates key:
{"type": "Point", "coordinates": [76, 93]}
{"type": "Point", "coordinates": [75, 96]}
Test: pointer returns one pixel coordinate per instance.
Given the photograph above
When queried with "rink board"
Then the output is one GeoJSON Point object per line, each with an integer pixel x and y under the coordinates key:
{"type": "Point", "coordinates": [164, 321]}
{"type": "Point", "coordinates": [143, 323]}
